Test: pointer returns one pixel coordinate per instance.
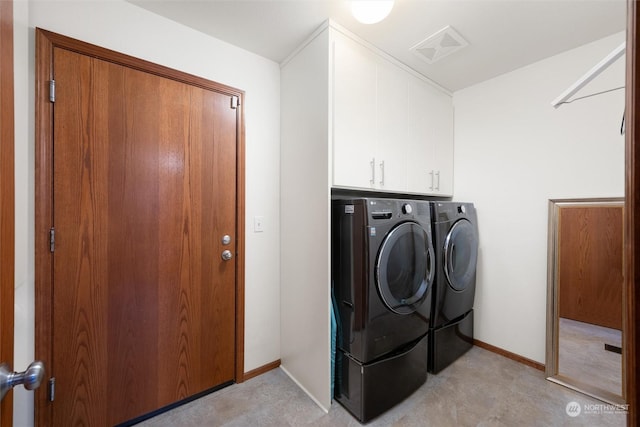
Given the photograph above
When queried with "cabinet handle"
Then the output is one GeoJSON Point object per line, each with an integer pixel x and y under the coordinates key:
{"type": "Point", "coordinates": [431, 186]}
{"type": "Point", "coordinates": [438, 181]}
{"type": "Point", "coordinates": [382, 172]}
{"type": "Point", "coordinates": [373, 171]}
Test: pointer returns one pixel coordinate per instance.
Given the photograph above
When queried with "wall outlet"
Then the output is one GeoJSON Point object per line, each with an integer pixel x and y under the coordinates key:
{"type": "Point", "coordinates": [258, 224]}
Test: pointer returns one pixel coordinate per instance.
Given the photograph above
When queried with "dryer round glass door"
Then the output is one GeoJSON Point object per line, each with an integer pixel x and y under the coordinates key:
{"type": "Point", "coordinates": [461, 255]}
{"type": "Point", "coordinates": [405, 268]}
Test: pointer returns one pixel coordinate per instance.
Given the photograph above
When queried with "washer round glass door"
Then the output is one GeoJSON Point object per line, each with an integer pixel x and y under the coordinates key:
{"type": "Point", "coordinates": [405, 268]}
{"type": "Point", "coordinates": [460, 255]}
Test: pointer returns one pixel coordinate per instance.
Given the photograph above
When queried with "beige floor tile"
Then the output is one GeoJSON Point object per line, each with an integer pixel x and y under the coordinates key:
{"type": "Point", "coordinates": [479, 389]}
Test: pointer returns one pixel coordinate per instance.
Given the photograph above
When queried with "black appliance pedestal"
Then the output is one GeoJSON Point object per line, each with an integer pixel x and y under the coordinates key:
{"type": "Point", "coordinates": [368, 390]}
{"type": "Point", "coordinates": [450, 342]}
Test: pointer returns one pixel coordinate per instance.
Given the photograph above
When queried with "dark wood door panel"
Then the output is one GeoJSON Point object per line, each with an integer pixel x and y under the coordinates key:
{"type": "Point", "coordinates": [80, 285]}
{"type": "Point", "coordinates": [590, 264]}
{"type": "Point", "coordinates": [144, 189]}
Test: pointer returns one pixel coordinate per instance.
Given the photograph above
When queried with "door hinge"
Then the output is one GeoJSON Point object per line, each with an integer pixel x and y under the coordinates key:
{"type": "Point", "coordinates": [52, 389]}
{"type": "Point", "coordinates": [235, 101]}
{"type": "Point", "coordinates": [52, 90]}
{"type": "Point", "coordinates": [52, 239]}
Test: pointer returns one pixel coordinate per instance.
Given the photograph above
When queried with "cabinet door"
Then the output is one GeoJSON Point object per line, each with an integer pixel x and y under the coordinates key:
{"type": "Point", "coordinates": [420, 150]}
{"type": "Point", "coordinates": [354, 113]}
{"type": "Point", "coordinates": [392, 120]}
{"type": "Point", "coordinates": [430, 140]}
{"type": "Point", "coordinates": [443, 142]}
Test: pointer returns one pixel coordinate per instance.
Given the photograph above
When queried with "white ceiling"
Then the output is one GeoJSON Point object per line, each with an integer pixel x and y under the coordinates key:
{"type": "Point", "coordinates": [503, 35]}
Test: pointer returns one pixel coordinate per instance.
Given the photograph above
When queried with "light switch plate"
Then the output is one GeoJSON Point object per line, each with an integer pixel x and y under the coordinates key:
{"type": "Point", "coordinates": [258, 224]}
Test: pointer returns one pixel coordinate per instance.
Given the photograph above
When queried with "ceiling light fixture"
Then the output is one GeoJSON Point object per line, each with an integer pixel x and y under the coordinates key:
{"type": "Point", "coordinates": [371, 11]}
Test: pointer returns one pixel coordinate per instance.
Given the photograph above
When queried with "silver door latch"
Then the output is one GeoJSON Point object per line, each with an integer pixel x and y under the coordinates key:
{"type": "Point", "coordinates": [30, 379]}
{"type": "Point", "coordinates": [227, 255]}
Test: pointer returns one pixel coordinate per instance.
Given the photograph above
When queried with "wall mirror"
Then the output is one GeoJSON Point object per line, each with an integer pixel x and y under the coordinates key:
{"type": "Point", "coordinates": [584, 297]}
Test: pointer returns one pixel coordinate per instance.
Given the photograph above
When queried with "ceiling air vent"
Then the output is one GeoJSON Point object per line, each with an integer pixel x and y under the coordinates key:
{"type": "Point", "coordinates": [441, 44]}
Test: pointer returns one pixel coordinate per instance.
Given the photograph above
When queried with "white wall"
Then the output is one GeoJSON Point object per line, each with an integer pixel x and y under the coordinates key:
{"type": "Point", "coordinates": [514, 152]}
{"type": "Point", "coordinates": [126, 28]}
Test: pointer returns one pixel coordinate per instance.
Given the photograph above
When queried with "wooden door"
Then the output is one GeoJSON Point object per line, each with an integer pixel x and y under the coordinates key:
{"type": "Point", "coordinates": [7, 223]}
{"type": "Point", "coordinates": [144, 187]}
{"type": "Point", "coordinates": [590, 264]}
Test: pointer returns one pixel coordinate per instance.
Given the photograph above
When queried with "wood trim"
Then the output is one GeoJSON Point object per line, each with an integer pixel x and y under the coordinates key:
{"type": "Point", "coordinates": [98, 52]}
{"type": "Point", "coordinates": [630, 339]}
{"type": "Point", "coordinates": [45, 43]}
{"type": "Point", "coordinates": [7, 199]}
{"type": "Point", "coordinates": [520, 359]}
{"type": "Point", "coordinates": [261, 370]}
{"type": "Point", "coordinates": [240, 243]}
{"type": "Point", "coordinates": [43, 219]}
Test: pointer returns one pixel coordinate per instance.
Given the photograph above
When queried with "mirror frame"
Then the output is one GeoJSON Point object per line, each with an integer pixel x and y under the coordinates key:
{"type": "Point", "coordinates": [552, 344]}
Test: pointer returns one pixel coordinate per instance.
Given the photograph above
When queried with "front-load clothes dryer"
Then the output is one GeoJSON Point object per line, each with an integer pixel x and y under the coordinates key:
{"type": "Point", "coordinates": [383, 267]}
{"type": "Point", "coordinates": [455, 233]}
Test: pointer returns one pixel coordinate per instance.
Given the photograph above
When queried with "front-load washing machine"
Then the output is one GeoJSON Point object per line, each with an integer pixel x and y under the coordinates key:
{"type": "Point", "coordinates": [455, 234]}
{"type": "Point", "coordinates": [382, 271]}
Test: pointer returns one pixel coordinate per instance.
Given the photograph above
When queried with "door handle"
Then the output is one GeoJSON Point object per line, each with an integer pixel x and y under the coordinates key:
{"type": "Point", "coordinates": [227, 255]}
{"type": "Point", "coordinates": [373, 171]}
{"type": "Point", "coordinates": [30, 379]}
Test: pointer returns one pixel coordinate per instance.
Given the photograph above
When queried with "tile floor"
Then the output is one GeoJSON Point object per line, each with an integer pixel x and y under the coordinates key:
{"type": "Point", "coordinates": [479, 389]}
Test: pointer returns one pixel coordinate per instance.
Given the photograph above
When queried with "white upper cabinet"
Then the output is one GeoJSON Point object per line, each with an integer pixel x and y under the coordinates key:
{"type": "Point", "coordinates": [369, 118]}
{"type": "Point", "coordinates": [392, 131]}
{"type": "Point", "coordinates": [392, 127]}
{"type": "Point", "coordinates": [443, 144]}
{"type": "Point", "coordinates": [430, 140]}
{"type": "Point", "coordinates": [354, 116]}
